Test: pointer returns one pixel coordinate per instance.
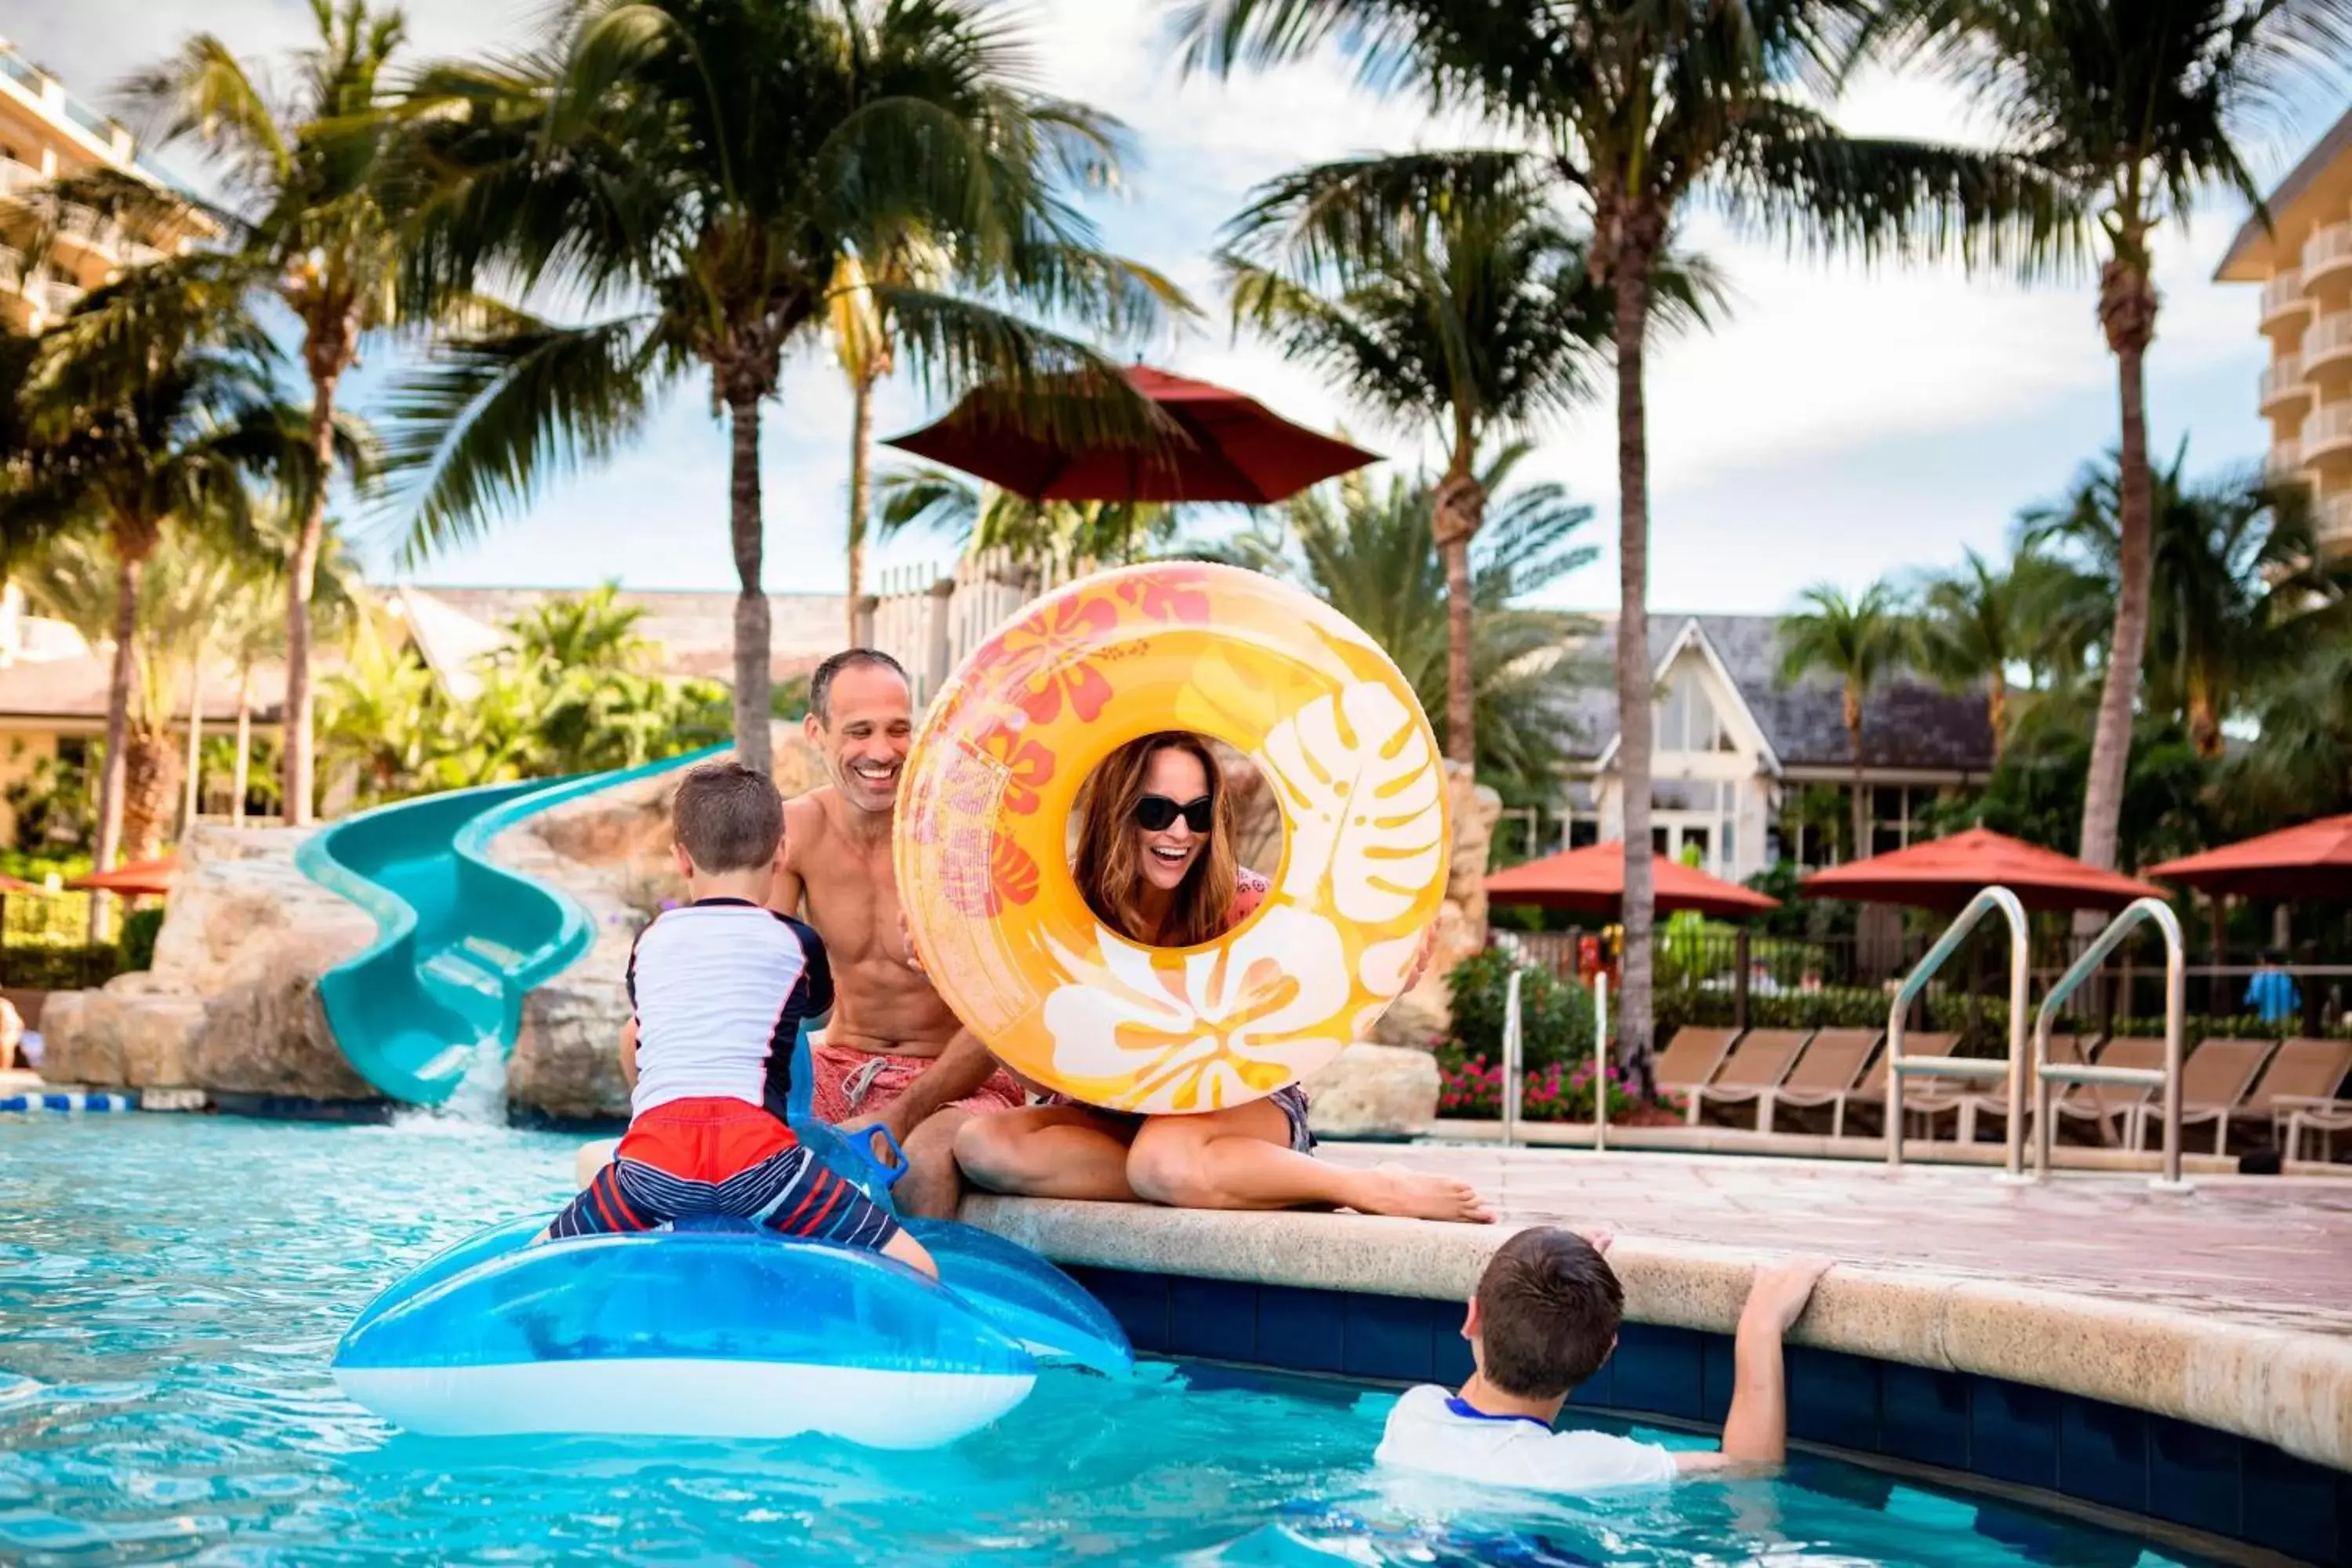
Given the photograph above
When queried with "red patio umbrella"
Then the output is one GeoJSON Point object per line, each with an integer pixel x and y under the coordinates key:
{"type": "Point", "coordinates": [1945, 873]}
{"type": "Point", "coordinates": [17, 885]}
{"type": "Point", "coordinates": [1223, 447]}
{"type": "Point", "coordinates": [1593, 879]}
{"type": "Point", "coordinates": [2310, 861]}
{"type": "Point", "coordinates": [138, 877]}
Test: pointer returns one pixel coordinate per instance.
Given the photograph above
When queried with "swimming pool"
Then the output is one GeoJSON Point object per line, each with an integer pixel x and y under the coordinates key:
{"type": "Point", "coordinates": [170, 1288]}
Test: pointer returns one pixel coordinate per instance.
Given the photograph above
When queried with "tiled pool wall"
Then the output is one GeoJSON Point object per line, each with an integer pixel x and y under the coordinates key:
{"type": "Point", "coordinates": [1970, 1425]}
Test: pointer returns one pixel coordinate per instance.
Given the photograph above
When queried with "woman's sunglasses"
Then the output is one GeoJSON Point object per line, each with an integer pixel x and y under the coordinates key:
{"type": "Point", "coordinates": [1156, 813]}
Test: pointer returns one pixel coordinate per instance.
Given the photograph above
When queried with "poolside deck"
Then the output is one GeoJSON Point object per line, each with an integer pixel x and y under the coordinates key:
{"type": "Point", "coordinates": [2229, 1306]}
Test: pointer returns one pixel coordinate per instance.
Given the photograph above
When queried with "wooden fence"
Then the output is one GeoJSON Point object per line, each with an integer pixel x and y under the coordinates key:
{"type": "Point", "coordinates": [928, 620]}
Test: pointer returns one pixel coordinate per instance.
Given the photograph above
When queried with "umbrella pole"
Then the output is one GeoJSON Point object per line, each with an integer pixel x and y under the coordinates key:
{"type": "Point", "coordinates": [1601, 1061]}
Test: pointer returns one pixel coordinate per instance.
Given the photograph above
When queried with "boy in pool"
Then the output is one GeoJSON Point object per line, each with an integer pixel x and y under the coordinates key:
{"type": "Point", "coordinates": [1544, 1319]}
{"type": "Point", "coordinates": [719, 987]}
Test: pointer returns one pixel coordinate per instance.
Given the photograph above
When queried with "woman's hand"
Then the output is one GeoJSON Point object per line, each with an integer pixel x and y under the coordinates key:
{"type": "Point", "coordinates": [1420, 956]}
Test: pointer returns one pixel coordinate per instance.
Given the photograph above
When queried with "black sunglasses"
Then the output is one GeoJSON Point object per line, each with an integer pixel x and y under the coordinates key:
{"type": "Point", "coordinates": [1155, 813]}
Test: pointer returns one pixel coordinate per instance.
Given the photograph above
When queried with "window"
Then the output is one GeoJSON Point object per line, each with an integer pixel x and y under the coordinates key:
{"type": "Point", "coordinates": [1687, 720]}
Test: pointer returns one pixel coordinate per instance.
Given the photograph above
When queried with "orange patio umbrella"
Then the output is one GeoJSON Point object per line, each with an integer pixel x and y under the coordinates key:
{"type": "Point", "coordinates": [17, 885]}
{"type": "Point", "coordinates": [1593, 879]}
{"type": "Point", "coordinates": [140, 877]}
{"type": "Point", "coordinates": [2313, 860]}
{"type": "Point", "coordinates": [1945, 873]}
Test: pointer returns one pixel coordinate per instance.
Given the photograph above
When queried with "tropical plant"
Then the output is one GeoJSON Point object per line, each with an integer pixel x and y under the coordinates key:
{"type": "Point", "coordinates": [592, 630]}
{"type": "Point", "coordinates": [982, 519]}
{"type": "Point", "coordinates": [149, 404]}
{"type": "Point", "coordinates": [1468, 311]}
{"type": "Point", "coordinates": [1369, 551]}
{"type": "Point", "coordinates": [2140, 109]}
{"type": "Point", "coordinates": [2036, 792]}
{"type": "Point", "coordinates": [2238, 591]}
{"type": "Point", "coordinates": [1639, 112]}
{"type": "Point", "coordinates": [181, 583]}
{"type": "Point", "coordinates": [314, 219]}
{"type": "Point", "coordinates": [2299, 764]}
{"type": "Point", "coordinates": [707, 167]}
{"type": "Point", "coordinates": [1854, 641]}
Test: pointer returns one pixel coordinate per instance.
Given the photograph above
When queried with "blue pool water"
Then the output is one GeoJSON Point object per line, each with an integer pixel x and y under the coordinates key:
{"type": "Point", "coordinates": [171, 1290]}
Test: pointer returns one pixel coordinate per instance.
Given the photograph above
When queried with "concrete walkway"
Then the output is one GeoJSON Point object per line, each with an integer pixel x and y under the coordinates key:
{"type": "Point", "coordinates": [2274, 1252]}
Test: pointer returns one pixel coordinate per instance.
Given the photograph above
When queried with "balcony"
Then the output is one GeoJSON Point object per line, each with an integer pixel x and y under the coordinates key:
{"type": "Point", "coordinates": [2327, 355]}
{"type": "Point", "coordinates": [2327, 257]}
{"type": "Point", "coordinates": [2285, 461]}
{"type": "Point", "coordinates": [2327, 437]}
{"type": "Point", "coordinates": [2283, 387]}
{"type": "Point", "coordinates": [2284, 303]}
{"type": "Point", "coordinates": [2335, 520]}
{"type": "Point", "coordinates": [55, 297]}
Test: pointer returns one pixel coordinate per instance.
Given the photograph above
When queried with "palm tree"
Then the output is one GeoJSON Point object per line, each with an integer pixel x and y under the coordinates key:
{"type": "Point", "coordinates": [1640, 111]}
{"type": "Point", "coordinates": [865, 344]}
{"type": "Point", "coordinates": [982, 519]}
{"type": "Point", "coordinates": [1854, 641]}
{"type": "Point", "coordinates": [1371, 552]}
{"type": "Point", "coordinates": [2139, 107]}
{"type": "Point", "coordinates": [710, 165]}
{"type": "Point", "coordinates": [1469, 312]}
{"type": "Point", "coordinates": [315, 224]}
{"type": "Point", "coordinates": [2238, 589]}
{"type": "Point", "coordinates": [591, 631]}
{"type": "Point", "coordinates": [152, 405]}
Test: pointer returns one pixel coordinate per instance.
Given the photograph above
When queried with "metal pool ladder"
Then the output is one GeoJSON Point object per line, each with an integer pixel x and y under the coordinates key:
{"type": "Point", "coordinates": [2166, 1079]}
{"type": "Point", "coordinates": [1899, 1067]}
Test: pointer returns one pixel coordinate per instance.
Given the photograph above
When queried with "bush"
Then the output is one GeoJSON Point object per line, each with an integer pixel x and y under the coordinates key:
{"type": "Point", "coordinates": [1554, 1019]}
{"type": "Point", "coordinates": [138, 943]}
{"type": "Point", "coordinates": [43, 967]}
{"type": "Point", "coordinates": [1471, 1088]}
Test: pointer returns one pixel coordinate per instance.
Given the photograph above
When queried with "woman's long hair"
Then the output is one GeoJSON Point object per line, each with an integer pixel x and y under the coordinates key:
{"type": "Point", "coordinates": [1109, 863]}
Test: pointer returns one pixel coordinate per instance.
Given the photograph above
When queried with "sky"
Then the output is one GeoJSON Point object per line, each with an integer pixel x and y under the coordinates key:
{"type": "Point", "coordinates": [1841, 423]}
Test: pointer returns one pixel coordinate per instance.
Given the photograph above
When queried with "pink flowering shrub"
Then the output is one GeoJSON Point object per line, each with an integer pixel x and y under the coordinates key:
{"type": "Point", "coordinates": [1469, 1087]}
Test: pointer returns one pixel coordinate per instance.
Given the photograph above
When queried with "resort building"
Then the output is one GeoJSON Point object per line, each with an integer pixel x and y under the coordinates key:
{"type": "Point", "coordinates": [45, 135]}
{"type": "Point", "coordinates": [1745, 771]}
{"type": "Point", "coordinates": [2303, 260]}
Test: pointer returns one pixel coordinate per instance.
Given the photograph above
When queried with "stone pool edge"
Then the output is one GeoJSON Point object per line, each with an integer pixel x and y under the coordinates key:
{"type": "Point", "coordinates": [2274, 1386]}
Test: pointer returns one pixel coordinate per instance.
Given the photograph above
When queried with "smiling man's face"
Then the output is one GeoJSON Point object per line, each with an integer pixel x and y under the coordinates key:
{"type": "Point", "coordinates": [868, 724]}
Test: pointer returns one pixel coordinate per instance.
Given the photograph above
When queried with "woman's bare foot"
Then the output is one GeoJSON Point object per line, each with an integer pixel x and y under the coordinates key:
{"type": "Point", "coordinates": [1415, 1194]}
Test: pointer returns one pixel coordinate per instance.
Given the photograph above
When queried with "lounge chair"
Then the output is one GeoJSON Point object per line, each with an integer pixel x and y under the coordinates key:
{"type": "Point", "coordinates": [2113, 1107]}
{"type": "Point", "coordinates": [2213, 1085]}
{"type": "Point", "coordinates": [2299, 1093]}
{"type": "Point", "coordinates": [1828, 1074]}
{"type": "Point", "coordinates": [1989, 1097]}
{"type": "Point", "coordinates": [1690, 1059]}
{"type": "Point", "coordinates": [1927, 1097]}
{"type": "Point", "coordinates": [1754, 1069]}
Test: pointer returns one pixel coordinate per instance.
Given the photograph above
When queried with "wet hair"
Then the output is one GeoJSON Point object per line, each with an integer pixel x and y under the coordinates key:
{"type": "Point", "coordinates": [728, 818]}
{"type": "Point", "coordinates": [1109, 866]}
{"type": "Point", "coordinates": [1548, 1306]}
{"type": "Point", "coordinates": [819, 696]}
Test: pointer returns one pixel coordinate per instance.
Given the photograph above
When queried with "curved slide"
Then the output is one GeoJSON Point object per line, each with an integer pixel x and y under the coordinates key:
{"type": "Point", "coordinates": [459, 939]}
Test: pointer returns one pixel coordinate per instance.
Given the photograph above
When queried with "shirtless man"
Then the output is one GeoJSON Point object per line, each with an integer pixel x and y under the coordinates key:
{"type": "Point", "coordinates": [894, 1054]}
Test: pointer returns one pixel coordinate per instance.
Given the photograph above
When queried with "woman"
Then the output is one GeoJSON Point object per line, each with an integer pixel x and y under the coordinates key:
{"type": "Point", "coordinates": [1155, 863]}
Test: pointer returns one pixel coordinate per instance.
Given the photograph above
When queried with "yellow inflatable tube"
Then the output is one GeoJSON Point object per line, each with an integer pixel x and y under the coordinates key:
{"type": "Point", "coordinates": [982, 852]}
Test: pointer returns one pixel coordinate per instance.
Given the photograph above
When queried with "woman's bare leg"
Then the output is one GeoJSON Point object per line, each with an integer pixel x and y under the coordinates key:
{"type": "Point", "coordinates": [1047, 1152]}
{"type": "Point", "coordinates": [1241, 1159]}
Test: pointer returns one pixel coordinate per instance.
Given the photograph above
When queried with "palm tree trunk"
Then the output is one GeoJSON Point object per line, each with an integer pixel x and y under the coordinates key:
{"type": "Point", "coordinates": [861, 464]}
{"type": "Point", "coordinates": [751, 696]}
{"type": "Point", "coordinates": [1455, 512]}
{"type": "Point", "coordinates": [301, 762]}
{"type": "Point", "coordinates": [1630, 277]}
{"type": "Point", "coordinates": [148, 787]}
{"type": "Point", "coordinates": [114, 771]}
{"type": "Point", "coordinates": [193, 786]}
{"type": "Point", "coordinates": [1854, 750]}
{"type": "Point", "coordinates": [241, 777]}
{"type": "Point", "coordinates": [2127, 310]}
{"type": "Point", "coordinates": [1997, 712]}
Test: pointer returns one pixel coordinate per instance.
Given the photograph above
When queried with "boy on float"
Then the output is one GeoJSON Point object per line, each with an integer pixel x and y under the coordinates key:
{"type": "Point", "coordinates": [718, 989]}
{"type": "Point", "coordinates": [1544, 1319]}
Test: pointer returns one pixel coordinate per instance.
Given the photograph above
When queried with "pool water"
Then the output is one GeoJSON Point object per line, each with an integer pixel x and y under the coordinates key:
{"type": "Point", "coordinates": [172, 1288]}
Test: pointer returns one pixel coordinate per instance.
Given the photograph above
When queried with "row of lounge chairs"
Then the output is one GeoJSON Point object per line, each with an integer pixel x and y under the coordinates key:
{"type": "Point", "coordinates": [2292, 1085]}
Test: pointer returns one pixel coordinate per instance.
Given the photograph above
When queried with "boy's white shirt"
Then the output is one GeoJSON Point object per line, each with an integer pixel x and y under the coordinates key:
{"type": "Point", "coordinates": [1431, 1430]}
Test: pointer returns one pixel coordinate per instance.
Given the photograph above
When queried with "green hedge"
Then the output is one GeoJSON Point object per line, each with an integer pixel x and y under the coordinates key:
{"type": "Point", "coordinates": [1555, 1019]}
{"type": "Point", "coordinates": [138, 944]}
{"type": "Point", "coordinates": [45, 967]}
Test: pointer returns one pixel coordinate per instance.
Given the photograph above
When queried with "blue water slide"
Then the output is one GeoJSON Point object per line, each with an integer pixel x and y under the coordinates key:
{"type": "Point", "coordinates": [460, 939]}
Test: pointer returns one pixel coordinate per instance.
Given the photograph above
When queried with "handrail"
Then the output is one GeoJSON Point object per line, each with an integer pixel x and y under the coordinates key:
{"type": "Point", "coordinates": [2176, 985]}
{"type": "Point", "coordinates": [1512, 1053]}
{"type": "Point", "coordinates": [1984, 903]}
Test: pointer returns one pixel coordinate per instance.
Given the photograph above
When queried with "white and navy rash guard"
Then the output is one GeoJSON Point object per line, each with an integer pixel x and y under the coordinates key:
{"type": "Point", "coordinates": [720, 988]}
